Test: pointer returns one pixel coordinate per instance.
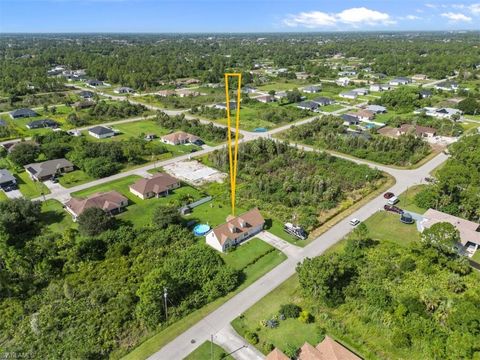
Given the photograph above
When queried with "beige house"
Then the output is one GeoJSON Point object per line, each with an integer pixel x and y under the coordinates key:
{"type": "Point", "coordinates": [187, 92]}
{"type": "Point", "coordinates": [112, 202]}
{"type": "Point", "coordinates": [328, 349]}
{"type": "Point", "coordinates": [158, 185]}
{"type": "Point", "coordinates": [236, 230]}
{"type": "Point", "coordinates": [420, 131]}
{"type": "Point", "coordinates": [180, 138]}
{"type": "Point", "coordinates": [469, 230]}
{"type": "Point", "coordinates": [165, 93]}
{"type": "Point", "coordinates": [48, 169]}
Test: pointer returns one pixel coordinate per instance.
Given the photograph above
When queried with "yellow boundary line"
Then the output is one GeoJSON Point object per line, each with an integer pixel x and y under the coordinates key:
{"type": "Point", "coordinates": [233, 157]}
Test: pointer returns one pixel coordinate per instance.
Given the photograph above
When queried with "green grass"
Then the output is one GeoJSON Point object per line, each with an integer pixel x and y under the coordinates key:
{"type": "Point", "coordinates": [407, 199]}
{"type": "Point", "coordinates": [290, 331]}
{"type": "Point", "coordinates": [204, 352]}
{"type": "Point", "coordinates": [277, 229]}
{"type": "Point", "coordinates": [476, 256]}
{"type": "Point", "coordinates": [3, 196]}
{"type": "Point", "coordinates": [74, 178]}
{"type": "Point", "coordinates": [139, 212]}
{"type": "Point", "coordinates": [283, 85]}
{"type": "Point", "coordinates": [386, 226]}
{"type": "Point", "coordinates": [55, 217]}
{"type": "Point", "coordinates": [252, 273]}
{"type": "Point", "coordinates": [331, 108]}
{"type": "Point", "coordinates": [247, 253]}
{"type": "Point", "coordinates": [29, 188]}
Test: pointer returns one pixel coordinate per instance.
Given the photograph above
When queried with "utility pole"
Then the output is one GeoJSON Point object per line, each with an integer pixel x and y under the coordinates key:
{"type": "Point", "coordinates": [165, 294]}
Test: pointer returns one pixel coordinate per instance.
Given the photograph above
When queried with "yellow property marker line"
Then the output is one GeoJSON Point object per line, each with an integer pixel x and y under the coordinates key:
{"type": "Point", "coordinates": [233, 158]}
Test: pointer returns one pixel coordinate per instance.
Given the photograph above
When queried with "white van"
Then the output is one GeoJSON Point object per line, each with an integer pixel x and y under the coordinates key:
{"type": "Point", "coordinates": [392, 201]}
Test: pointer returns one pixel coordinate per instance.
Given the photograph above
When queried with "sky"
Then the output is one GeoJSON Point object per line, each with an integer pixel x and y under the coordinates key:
{"type": "Point", "coordinates": [158, 16]}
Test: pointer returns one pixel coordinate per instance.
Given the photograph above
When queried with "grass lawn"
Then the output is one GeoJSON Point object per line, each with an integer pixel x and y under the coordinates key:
{"type": "Point", "coordinates": [3, 196]}
{"type": "Point", "coordinates": [252, 273]}
{"type": "Point", "coordinates": [74, 178]}
{"type": "Point", "coordinates": [386, 226]}
{"type": "Point", "coordinates": [283, 85]}
{"type": "Point", "coordinates": [476, 256]}
{"type": "Point", "coordinates": [247, 253]}
{"type": "Point", "coordinates": [331, 108]}
{"type": "Point", "coordinates": [56, 218]}
{"type": "Point", "coordinates": [407, 199]}
{"type": "Point", "coordinates": [139, 212]}
{"type": "Point", "coordinates": [290, 332]}
{"type": "Point", "coordinates": [29, 188]}
{"type": "Point", "coordinates": [208, 351]}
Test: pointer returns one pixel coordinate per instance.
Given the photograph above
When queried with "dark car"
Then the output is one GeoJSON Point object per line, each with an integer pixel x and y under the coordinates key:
{"type": "Point", "coordinates": [393, 208]}
{"type": "Point", "coordinates": [9, 188]}
{"type": "Point", "coordinates": [388, 195]}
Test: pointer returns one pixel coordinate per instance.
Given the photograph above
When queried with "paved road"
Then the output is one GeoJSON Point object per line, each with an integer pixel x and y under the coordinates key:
{"type": "Point", "coordinates": [221, 318]}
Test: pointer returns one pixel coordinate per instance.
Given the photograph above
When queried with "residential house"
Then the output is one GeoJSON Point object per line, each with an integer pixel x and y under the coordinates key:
{"type": "Point", "coordinates": [223, 106]}
{"type": "Point", "coordinates": [347, 73]}
{"type": "Point", "coordinates": [469, 230]}
{"type": "Point", "coordinates": [400, 81]}
{"type": "Point", "coordinates": [424, 93]}
{"type": "Point", "coordinates": [22, 113]}
{"type": "Point", "coordinates": [420, 131]}
{"type": "Point", "coordinates": [323, 101]}
{"type": "Point", "coordinates": [279, 95]}
{"type": "Point", "coordinates": [124, 90]}
{"type": "Point", "coordinates": [84, 104]}
{"type": "Point", "coordinates": [343, 81]}
{"type": "Point", "coordinates": [94, 83]}
{"type": "Point", "coordinates": [363, 115]}
{"type": "Point", "coordinates": [187, 92]}
{"type": "Point", "coordinates": [265, 98]}
{"type": "Point", "coordinates": [101, 132]}
{"type": "Point", "coordinates": [7, 179]}
{"type": "Point", "coordinates": [349, 120]}
{"type": "Point", "coordinates": [156, 186]}
{"type": "Point", "coordinates": [361, 91]}
{"type": "Point", "coordinates": [44, 123]}
{"type": "Point", "coordinates": [236, 230]}
{"type": "Point", "coordinates": [165, 93]}
{"type": "Point", "coordinates": [447, 86]}
{"type": "Point", "coordinates": [112, 202]}
{"type": "Point", "coordinates": [311, 89]}
{"type": "Point", "coordinates": [419, 77]}
{"type": "Point", "coordinates": [180, 138]}
{"type": "Point", "coordinates": [379, 87]}
{"type": "Point", "coordinates": [48, 169]}
{"type": "Point", "coordinates": [10, 146]}
{"type": "Point", "coordinates": [443, 113]}
{"type": "Point", "coordinates": [376, 109]}
{"type": "Point", "coordinates": [352, 95]}
{"type": "Point", "coordinates": [248, 90]}
{"type": "Point", "coordinates": [86, 95]}
{"type": "Point", "coordinates": [328, 349]}
{"type": "Point", "coordinates": [308, 105]}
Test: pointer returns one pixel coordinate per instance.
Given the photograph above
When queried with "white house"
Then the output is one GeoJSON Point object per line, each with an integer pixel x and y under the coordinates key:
{"type": "Point", "coordinates": [236, 230]}
{"type": "Point", "coordinates": [101, 132]}
{"type": "Point", "coordinates": [400, 81]}
{"type": "Point", "coordinates": [352, 95]}
{"type": "Point", "coordinates": [343, 81]}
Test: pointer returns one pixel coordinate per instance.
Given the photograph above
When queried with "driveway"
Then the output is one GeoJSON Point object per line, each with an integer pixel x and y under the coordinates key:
{"type": "Point", "coordinates": [13, 194]}
{"type": "Point", "coordinates": [236, 346]}
{"type": "Point", "coordinates": [284, 246]}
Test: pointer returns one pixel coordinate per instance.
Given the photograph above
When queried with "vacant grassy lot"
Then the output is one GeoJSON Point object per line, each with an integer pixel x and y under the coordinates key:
{"type": "Point", "coordinates": [74, 178]}
{"type": "Point", "coordinates": [386, 226]}
{"type": "Point", "coordinates": [247, 253]}
{"type": "Point", "coordinates": [208, 351]}
{"type": "Point", "coordinates": [139, 212]}
{"type": "Point", "coordinates": [29, 188]}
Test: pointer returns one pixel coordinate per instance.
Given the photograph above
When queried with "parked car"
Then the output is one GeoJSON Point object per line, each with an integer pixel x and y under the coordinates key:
{"type": "Point", "coordinates": [354, 222]}
{"type": "Point", "coordinates": [295, 230]}
{"type": "Point", "coordinates": [429, 179]}
{"type": "Point", "coordinates": [406, 218]}
{"type": "Point", "coordinates": [393, 200]}
{"type": "Point", "coordinates": [55, 180]}
{"type": "Point", "coordinates": [388, 195]}
{"type": "Point", "coordinates": [393, 208]}
{"type": "Point", "coordinates": [9, 188]}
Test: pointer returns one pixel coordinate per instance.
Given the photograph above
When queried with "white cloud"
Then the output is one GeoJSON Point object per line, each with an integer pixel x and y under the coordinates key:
{"type": "Point", "coordinates": [456, 16]}
{"type": "Point", "coordinates": [475, 8]}
{"type": "Point", "coordinates": [352, 16]}
{"type": "Point", "coordinates": [310, 19]}
{"type": "Point", "coordinates": [431, 6]}
{"type": "Point", "coordinates": [412, 17]}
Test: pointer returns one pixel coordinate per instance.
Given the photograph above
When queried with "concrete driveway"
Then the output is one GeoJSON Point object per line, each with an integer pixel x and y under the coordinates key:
{"type": "Point", "coordinates": [13, 194]}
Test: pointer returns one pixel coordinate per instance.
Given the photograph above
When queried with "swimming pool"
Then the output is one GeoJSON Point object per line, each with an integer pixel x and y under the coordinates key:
{"type": "Point", "coordinates": [201, 229]}
{"type": "Point", "coordinates": [260, 129]}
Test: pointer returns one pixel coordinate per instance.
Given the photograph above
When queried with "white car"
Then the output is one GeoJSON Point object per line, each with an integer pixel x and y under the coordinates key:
{"type": "Point", "coordinates": [354, 222]}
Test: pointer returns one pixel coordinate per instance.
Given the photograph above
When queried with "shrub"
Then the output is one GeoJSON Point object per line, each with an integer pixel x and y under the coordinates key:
{"type": "Point", "coordinates": [291, 351]}
{"type": "Point", "coordinates": [290, 311]}
{"type": "Point", "coordinates": [272, 323]}
{"type": "Point", "coordinates": [267, 347]}
{"type": "Point", "coordinates": [251, 337]}
{"type": "Point", "coordinates": [305, 317]}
